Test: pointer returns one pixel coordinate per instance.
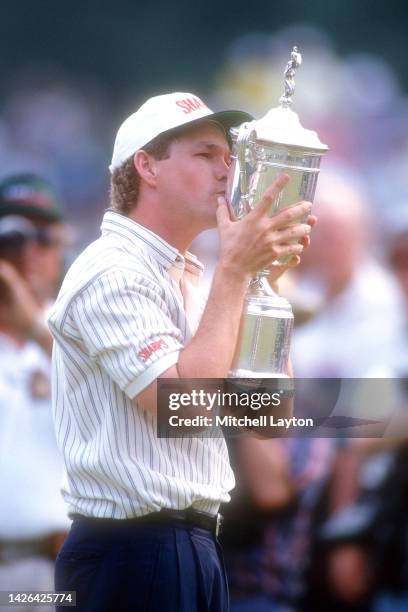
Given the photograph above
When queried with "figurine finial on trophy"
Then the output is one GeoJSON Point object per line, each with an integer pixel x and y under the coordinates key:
{"type": "Point", "coordinates": [293, 63]}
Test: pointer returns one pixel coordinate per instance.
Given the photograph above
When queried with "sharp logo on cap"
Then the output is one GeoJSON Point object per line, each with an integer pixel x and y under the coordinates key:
{"type": "Point", "coordinates": [190, 104]}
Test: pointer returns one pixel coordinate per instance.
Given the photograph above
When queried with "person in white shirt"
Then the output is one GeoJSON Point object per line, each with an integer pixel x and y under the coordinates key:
{"type": "Point", "coordinates": [129, 311]}
{"type": "Point", "coordinates": [355, 336]}
{"type": "Point", "coordinates": [360, 319]}
{"type": "Point", "coordinates": [33, 521]}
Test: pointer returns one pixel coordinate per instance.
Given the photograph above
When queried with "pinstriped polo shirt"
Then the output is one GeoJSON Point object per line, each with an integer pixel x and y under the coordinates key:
{"type": "Point", "coordinates": [118, 323]}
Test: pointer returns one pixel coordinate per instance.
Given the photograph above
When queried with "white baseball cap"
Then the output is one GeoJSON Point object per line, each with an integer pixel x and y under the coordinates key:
{"type": "Point", "coordinates": [161, 114]}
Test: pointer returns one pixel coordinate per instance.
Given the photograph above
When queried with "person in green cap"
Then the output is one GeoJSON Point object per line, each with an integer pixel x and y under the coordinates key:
{"type": "Point", "coordinates": [29, 275]}
{"type": "Point", "coordinates": [33, 519]}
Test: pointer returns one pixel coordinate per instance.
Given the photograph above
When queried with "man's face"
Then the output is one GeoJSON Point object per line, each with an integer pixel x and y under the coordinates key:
{"type": "Point", "coordinates": [195, 174]}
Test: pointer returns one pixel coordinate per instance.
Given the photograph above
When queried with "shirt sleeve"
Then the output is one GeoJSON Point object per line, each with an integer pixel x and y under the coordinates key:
{"type": "Point", "coordinates": [126, 326]}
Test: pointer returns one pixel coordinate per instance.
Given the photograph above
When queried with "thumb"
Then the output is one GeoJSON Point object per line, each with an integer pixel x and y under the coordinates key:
{"type": "Point", "coordinates": [223, 214]}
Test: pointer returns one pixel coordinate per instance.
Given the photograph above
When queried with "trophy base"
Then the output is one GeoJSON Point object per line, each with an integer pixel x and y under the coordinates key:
{"type": "Point", "coordinates": [264, 336]}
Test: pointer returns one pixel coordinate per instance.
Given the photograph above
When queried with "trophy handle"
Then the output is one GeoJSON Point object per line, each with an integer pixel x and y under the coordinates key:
{"type": "Point", "coordinates": [246, 136]}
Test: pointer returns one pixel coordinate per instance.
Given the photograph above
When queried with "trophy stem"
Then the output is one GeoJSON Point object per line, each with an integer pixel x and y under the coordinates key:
{"type": "Point", "coordinates": [260, 287]}
{"type": "Point", "coordinates": [265, 333]}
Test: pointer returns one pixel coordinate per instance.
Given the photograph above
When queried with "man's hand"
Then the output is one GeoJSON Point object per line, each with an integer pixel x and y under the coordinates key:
{"type": "Point", "coordinates": [23, 308]}
{"type": "Point", "coordinates": [276, 271]}
{"type": "Point", "coordinates": [254, 242]}
{"type": "Point", "coordinates": [25, 315]}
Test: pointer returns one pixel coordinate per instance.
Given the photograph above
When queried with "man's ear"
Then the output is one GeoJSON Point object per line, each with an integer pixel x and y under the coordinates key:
{"type": "Point", "coordinates": [146, 166]}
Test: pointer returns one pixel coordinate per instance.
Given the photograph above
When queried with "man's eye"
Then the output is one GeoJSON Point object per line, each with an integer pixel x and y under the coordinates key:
{"type": "Point", "coordinates": [203, 154]}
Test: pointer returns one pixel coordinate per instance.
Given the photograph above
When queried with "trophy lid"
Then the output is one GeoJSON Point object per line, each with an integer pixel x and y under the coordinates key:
{"type": "Point", "coordinates": [281, 124]}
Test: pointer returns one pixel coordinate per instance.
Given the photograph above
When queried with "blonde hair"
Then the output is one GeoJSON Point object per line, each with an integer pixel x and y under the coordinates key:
{"type": "Point", "coordinates": [125, 180]}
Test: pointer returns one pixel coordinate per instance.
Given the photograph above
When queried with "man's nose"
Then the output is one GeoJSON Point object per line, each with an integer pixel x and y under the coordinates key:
{"type": "Point", "coordinates": [222, 170]}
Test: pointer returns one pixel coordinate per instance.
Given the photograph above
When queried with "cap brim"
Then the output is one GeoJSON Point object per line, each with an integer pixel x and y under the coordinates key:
{"type": "Point", "coordinates": [230, 118]}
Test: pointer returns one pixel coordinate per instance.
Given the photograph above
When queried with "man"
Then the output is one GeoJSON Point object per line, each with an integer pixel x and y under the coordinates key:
{"type": "Point", "coordinates": [358, 296]}
{"type": "Point", "coordinates": [145, 508]}
{"type": "Point", "coordinates": [33, 519]}
{"type": "Point", "coordinates": [360, 300]}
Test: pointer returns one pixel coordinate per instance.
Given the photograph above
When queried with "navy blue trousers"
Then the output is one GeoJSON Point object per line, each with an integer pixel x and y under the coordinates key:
{"type": "Point", "coordinates": [127, 566]}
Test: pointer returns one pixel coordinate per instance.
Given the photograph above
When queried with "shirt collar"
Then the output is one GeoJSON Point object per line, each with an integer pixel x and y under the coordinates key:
{"type": "Point", "coordinates": [135, 234]}
{"type": "Point", "coordinates": [159, 249]}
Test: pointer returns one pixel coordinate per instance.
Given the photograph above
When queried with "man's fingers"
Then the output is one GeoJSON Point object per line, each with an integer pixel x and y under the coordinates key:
{"type": "Point", "coordinates": [233, 216]}
{"type": "Point", "coordinates": [284, 250]}
{"type": "Point", "coordinates": [311, 220]}
{"type": "Point", "coordinates": [293, 232]}
{"type": "Point", "coordinates": [291, 263]}
{"type": "Point", "coordinates": [223, 212]}
{"type": "Point", "coordinates": [271, 194]}
{"type": "Point", "coordinates": [289, 215]}
{"type": "Point", "coordinates": [276, 271]}
{"type": "Point", "coordinates": [295, 261]}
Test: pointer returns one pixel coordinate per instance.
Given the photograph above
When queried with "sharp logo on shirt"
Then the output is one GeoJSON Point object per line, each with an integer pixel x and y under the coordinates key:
{"type": "Point", "coordinates": [191, 104]}
{"type": "Point", "coordinates": [145, 353]}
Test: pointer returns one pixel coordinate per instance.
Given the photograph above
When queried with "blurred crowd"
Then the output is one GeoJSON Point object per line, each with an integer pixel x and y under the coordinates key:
{"type": "Point", "coordinates": [314, 524]}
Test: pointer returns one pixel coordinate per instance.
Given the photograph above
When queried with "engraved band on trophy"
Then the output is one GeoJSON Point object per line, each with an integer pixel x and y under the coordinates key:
{"type": "Point", "coordinates": [261, 150]}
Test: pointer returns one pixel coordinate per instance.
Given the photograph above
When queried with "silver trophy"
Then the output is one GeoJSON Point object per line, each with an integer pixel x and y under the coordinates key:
{"type": "Point", "coordinates": [261, 150]}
